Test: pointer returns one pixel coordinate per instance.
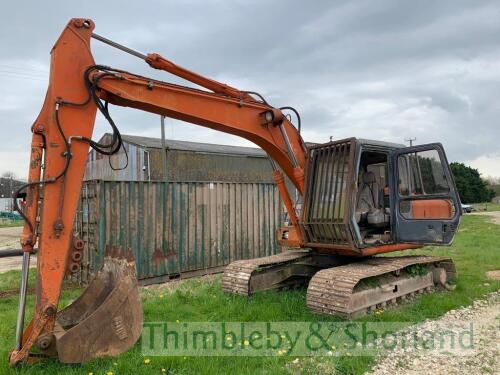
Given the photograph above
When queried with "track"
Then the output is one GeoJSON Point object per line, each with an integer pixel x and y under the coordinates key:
{"type": "Point", "coordinates": [242, 276]}
{"type": "Point", "coordinates": [340, 286]}
{"type": "Point", "coordinates": [358, 288]}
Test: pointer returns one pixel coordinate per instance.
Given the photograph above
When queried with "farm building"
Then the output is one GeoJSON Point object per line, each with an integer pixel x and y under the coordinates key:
{"type": "Point", "coordinates": [8, 186]}
{"type": "Point", "coordinates": [5, 204]}
{"type": "Point", "coordinates": [186, 161]}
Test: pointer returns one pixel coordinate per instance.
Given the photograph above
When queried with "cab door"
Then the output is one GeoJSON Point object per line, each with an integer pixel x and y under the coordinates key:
{"type": "Point", "coordinates": [426, 205]}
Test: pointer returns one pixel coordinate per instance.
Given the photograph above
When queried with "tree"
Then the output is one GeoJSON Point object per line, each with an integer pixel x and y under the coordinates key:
{"type": "Point", "coordinates": [471, 187]}
{"type": "Point", "coordinates": [494, 183]}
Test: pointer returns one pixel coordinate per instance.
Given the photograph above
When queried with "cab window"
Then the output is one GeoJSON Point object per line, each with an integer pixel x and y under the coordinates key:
{"type": "Point", "coordinates": [421, 174]}
{"type": "Point", "coordinates": [425, 176]}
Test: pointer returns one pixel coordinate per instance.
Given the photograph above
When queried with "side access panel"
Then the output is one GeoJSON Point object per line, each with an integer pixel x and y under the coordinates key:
{"type": "Point", "coordinates": [327, 203]}
{"type": "Point", "coordinates": [426, 205]}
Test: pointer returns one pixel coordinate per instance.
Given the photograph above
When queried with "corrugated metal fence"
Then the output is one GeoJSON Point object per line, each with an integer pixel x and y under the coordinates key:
{"type": "Point", "coordinates": [177, 228]}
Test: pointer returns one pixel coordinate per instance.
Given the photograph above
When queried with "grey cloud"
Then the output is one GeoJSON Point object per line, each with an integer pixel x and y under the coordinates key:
{"type": "Point", "coordinates": [372, 69]}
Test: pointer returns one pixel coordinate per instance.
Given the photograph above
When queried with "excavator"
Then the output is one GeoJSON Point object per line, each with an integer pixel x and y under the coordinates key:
{"type": "Point", "coordinates": [347, 202]}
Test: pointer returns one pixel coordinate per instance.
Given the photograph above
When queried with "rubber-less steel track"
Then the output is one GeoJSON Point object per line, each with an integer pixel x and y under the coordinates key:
{"type": "Point", "coordinates": [348, 290]}
{"type": "Point", "coordinates": [357, 288]}
{"type": "Point", "coordinates": [239, 276]}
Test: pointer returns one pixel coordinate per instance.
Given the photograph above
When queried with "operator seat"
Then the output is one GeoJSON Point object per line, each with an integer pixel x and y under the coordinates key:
{"type": "Point", "coordinates": [368, 194]}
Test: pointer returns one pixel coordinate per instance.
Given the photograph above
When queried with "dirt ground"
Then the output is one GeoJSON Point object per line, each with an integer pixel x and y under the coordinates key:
{"type": "Point", "coordinates": [9, 239]}
{"type": "Point", "coordinates": [494, 275]}
{"type": "Point", "coordinates": [494, 215]}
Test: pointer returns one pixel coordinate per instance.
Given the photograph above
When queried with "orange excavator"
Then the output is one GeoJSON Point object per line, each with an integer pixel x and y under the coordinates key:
{"type": "Point", "coordinates": [351, 199]}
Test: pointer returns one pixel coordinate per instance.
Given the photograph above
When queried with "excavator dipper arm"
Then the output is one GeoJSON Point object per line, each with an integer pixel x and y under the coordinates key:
{"type": "Point", "coordinates": [60, 144]}
{"type": "Point", "coordinates": [49, 216]}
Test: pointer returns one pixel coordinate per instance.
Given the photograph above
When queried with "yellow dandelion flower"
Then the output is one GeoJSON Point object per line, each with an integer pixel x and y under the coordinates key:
{"type": "Point", "coordinates": [246, 342]}
{"type": "Point", "coordinates": [163, 370]}
{"type": "Point", "coordinates": [109, 373]}
{"type": "Point", "coordinates": [147, 360]}
{"type": "Point", "coordinates": [177, 321]}
{"type": "Point", "coordinates": [162, 295]}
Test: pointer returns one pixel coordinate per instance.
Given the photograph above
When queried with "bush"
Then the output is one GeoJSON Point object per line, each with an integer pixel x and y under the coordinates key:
{"type": "Point", "coordinates": [471, 187]}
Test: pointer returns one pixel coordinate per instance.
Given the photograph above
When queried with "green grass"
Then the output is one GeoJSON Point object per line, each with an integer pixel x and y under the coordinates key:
{"type": "Point", "coordinates": [11, 223]}
{"type": "Point", "coordinates": [486, 206]}
{"type": "Point", "coordinates": [475, 251]}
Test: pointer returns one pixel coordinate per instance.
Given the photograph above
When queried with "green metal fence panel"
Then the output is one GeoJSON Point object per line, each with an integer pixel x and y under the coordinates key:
{"type": "Point", "coordinates": [177, 229]}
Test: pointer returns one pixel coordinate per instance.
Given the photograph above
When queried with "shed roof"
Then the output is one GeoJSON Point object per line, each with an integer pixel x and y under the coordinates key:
{"type": "Point", "coordinates": [150, 142]}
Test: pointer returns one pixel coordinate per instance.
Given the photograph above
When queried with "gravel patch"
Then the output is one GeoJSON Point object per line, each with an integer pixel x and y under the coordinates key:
{"type": "Point", "coordinates": [494, 215]}
{"type": "Point", "coordinates": [480, 357]}
{"type": "Point", "coordinates": [9, 237]}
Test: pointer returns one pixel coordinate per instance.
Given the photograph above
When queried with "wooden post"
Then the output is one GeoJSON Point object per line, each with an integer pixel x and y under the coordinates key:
{"type": "Point", "coordinates": [164, 149]}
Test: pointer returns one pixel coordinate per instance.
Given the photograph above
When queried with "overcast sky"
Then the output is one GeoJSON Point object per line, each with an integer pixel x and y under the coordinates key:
{"type": "Point", "coordinates": [385, 70]}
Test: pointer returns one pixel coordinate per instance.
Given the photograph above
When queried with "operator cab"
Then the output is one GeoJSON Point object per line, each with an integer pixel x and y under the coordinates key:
{"type": "Point", "coordinates": [404, 194]}
{"type": "Point", "coordinates": [372, 210]}
{"type": "Point", "coordinates": [363, 193]}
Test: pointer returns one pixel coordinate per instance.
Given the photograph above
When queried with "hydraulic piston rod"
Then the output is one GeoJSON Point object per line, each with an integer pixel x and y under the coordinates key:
{"type": "Point", "coordinates": [22, 300]}
{"type": "Point", "coordinates": [119, 46]}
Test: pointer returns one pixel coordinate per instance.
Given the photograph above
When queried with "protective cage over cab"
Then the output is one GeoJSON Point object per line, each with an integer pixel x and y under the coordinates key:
{"type": "Point", "coordinates": [362, 193]}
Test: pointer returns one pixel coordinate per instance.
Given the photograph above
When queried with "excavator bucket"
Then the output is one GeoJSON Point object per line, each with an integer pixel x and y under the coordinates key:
{"type": "Point", "coordinates": [106, 319]}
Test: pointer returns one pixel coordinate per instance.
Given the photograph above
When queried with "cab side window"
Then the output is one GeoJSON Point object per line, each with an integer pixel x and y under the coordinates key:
{"type": "Point", "coordinates": [421, 182]}
{"type": "Point", "coordinates": [404, 180]}
{"type": "Point", "coordinates": [426, 175]}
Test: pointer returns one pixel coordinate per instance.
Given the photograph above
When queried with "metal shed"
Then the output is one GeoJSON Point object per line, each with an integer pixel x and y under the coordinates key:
{"type": "Point", "coordinates": [186, 161]}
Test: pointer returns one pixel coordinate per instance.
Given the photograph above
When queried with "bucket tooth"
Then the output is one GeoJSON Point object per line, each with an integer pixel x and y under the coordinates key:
{"type": "Point", "coordinates": [106, 319]}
